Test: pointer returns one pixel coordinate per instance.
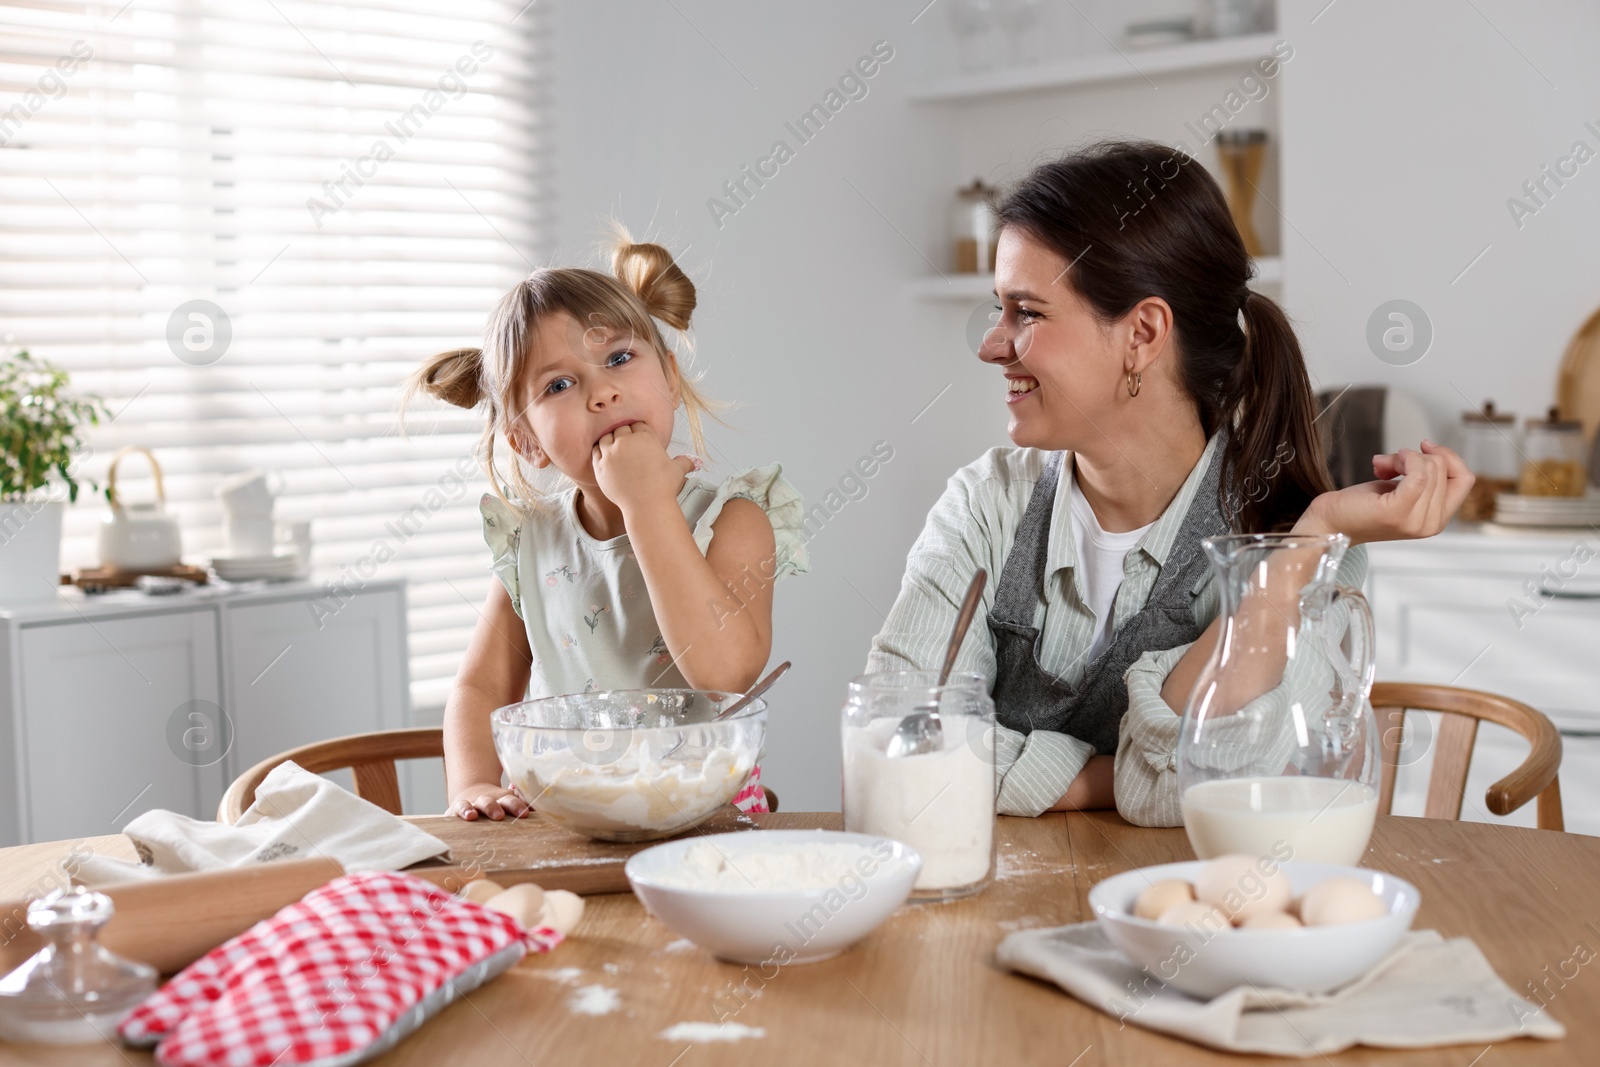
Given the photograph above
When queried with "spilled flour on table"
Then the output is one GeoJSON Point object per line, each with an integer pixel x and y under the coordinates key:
{"type": "Point", "coordinates": [1027, 922]}
{"type": "Point", "coordinates": [564, 975]}
{"type": "Point", "coordinates": [1014, 863]}
{"type": "Point", "coordinates": [683, 944]}
{"type": "Point", "coordinates": [595, 1000]}
{"type": "Point", "coordinates": [701, 1033]}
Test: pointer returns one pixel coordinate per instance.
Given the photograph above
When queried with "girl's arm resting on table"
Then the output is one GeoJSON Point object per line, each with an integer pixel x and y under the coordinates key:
{"type": "Point", "coordinates": [494, 672]}
{"type": "Point", "coordinates": [715, 610]}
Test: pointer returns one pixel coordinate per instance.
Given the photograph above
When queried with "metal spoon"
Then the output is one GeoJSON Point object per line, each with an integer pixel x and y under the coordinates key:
{"type": "Point", "coordinates": [921, 731]}
{"type": "Point", "coordinates": [738, 705]}
{"type": "Point", "coordinates": [755, 691]}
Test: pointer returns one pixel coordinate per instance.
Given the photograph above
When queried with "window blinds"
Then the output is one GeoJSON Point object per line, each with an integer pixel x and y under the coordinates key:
{"type": "Point", "coordinates": [243, 223]}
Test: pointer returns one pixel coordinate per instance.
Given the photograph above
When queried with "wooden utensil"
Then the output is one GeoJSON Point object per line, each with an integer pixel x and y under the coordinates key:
{"type": "Point", "coordinates": [170, 922]}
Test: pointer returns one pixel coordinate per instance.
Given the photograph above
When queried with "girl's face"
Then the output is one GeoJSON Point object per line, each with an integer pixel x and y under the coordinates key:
{"type": "Point", "coordinates": [582, 384]}
{"type": "Point", "coordinates": [1064, 370]}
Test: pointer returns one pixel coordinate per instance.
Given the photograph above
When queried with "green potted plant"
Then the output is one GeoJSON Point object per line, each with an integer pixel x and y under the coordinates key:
{"type": "Point", "coordinates": [42, 427]}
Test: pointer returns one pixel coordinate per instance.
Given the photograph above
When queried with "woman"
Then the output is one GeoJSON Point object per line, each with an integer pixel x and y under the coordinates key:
{"type": "Point", "coordinates": [1155, 400]}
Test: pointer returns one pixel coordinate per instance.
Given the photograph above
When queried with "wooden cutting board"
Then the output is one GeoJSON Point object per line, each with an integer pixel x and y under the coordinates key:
{"type": "Point", "coordinates": [533, 849]}
{"type": "Point", "coordinates": [1578, 384]}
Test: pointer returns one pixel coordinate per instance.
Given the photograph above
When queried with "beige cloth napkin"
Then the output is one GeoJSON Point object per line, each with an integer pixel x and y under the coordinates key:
{"type": "Point", "coordinates": [296, 815]}
{"type": "Point", "coordinates": [1428, 992]}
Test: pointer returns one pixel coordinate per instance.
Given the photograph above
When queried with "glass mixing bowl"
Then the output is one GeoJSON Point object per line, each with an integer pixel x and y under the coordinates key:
{"type": "Point", "coordinates": [629, 764]}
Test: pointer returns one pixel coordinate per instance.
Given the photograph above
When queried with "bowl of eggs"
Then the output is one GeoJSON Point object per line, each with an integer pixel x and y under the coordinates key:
{"type": "Point", "coordinates": [1209, 926]}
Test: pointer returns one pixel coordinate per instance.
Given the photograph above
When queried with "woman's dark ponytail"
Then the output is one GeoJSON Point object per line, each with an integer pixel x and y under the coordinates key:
{"type": "Point", "coordinates": [1277, 460]}
{"type": "Point", "coordinates": [1139, 219]}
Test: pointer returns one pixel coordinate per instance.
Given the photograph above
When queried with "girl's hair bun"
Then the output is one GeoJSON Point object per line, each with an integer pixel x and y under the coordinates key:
{"type": "Point", "coordinates": [456, 377]}
{"type": "Point", "coordinates": [650, 273]}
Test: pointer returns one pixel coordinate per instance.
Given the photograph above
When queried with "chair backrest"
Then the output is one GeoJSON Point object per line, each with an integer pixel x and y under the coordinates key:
{"type": "Point", "coordinates": [370, 758]}
{"type": "Point", "coordinates": [1462, 710]}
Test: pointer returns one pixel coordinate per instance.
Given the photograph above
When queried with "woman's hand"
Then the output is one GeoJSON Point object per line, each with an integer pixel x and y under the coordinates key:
{"type": "Point", "coordinates": [492, 801]}
{"type": "Point", "coordinates": [1417, 495]}
{"type": "Point", "coordinates": [632, 468]}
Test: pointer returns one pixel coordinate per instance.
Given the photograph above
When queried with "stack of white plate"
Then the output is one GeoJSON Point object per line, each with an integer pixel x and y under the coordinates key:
{"type": "Point", "coordinates": [1513, 509]}
{"type": "Point", "coordinates": [282, 565]}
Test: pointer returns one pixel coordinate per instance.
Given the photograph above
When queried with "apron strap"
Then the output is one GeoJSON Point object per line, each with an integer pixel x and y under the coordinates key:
{"type": "Point", "coordinates": [1017, 598]}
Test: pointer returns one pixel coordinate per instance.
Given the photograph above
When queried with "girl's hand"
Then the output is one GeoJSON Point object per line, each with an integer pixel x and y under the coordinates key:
{"type": "Point", "coordinates": [632, 468]}
{"type": "Point", "coordinates": [1417, 495]}
{"type": "Point", "coordinates": [492, 801]}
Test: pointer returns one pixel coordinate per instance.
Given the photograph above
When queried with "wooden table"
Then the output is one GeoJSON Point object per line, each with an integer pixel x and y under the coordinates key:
{"type": "Point", "coordinates": [924, 988]}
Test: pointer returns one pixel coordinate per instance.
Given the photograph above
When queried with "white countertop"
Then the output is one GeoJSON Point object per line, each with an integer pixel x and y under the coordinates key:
{"type": "Point", "coordinates": [73, 603]}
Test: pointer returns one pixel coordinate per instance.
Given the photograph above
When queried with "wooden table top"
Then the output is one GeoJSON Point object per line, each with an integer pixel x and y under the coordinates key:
{"type": "Point", "coordinates": [924, 989]}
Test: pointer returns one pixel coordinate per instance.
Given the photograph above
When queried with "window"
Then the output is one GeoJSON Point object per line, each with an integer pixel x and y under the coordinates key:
{"type": "Point", "coordinates": [243, 223]}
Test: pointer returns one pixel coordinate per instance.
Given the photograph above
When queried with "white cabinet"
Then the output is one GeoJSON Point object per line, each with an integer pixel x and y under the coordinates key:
{"type": "Point", "coordinates": [106, 701]}
{"type": "Point", "coordinates": [1512, 614]}
{"type": "Point", "coordinates": [292, 674]}
{"type": "Point", "coordinates": [113, 705]}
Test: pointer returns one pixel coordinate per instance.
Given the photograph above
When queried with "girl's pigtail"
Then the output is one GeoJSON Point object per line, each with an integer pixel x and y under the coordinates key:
{"type": "Point", "coordinates": [456, 377]}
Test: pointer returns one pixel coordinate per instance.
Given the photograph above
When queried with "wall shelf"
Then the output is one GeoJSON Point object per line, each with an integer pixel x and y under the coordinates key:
{"type": "Point", "coordinates": [1097, 70]}
{"type": "Point", "coordinates": [975, 287]}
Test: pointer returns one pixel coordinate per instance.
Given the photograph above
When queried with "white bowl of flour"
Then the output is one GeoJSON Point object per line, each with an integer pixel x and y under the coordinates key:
{"type": "Point", "coordinates": [773, 897]}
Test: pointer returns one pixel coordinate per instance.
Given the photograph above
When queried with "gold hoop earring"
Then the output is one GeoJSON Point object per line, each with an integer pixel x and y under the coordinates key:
{"type": "Point", "coordinates": [1135, 383]}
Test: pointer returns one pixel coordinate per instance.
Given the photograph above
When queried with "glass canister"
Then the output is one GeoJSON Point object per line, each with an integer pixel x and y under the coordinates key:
{"type": "Point", "coordinates": [940, 802]}
{"type": "Point", "coordinates": [972, 225]}
{"type": "Point", "coordinates": [73, 991]}
{"type": "Point", "coordinates": [1491, 451]}
{"type": "Point", "coordinates": [1278, 748]}
{"type": "Point", "coordinates": [1555, 457]}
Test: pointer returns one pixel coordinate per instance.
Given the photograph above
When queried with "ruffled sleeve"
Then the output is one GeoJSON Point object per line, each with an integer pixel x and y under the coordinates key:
{"type": "Point", "coordinates": [766, 487]}
{"type": "Point", "coordinates": [502, 531]}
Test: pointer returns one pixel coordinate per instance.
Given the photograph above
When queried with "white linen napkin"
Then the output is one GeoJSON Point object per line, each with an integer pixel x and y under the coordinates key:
{"type": "Point", "coordinates": [1428, 992]}
{"type": "Point", "coordinates": [296, 814]}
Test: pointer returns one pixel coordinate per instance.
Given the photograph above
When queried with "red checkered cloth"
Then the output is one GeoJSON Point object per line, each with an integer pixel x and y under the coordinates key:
{"type": "Point", "coordinates": [340, 976]}
{"type": "Point", "coordinates": [752, 798]}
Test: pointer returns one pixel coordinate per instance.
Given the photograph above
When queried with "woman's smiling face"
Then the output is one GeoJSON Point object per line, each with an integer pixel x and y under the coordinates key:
{"type": "Point", "coordinates": [1062, 366]}
{"type": "Point", "coordinates": [582, 384]}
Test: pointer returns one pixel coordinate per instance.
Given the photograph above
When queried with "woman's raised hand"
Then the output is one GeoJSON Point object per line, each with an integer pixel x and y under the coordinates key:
{"type": "Point", "coordinates": [1417, 495]}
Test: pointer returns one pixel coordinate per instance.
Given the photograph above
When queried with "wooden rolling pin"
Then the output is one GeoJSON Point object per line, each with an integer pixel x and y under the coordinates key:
{"type": "Point", "coordinates": [172, 921]}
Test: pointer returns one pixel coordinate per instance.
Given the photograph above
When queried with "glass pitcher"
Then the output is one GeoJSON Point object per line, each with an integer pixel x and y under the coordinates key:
{"type": "Point", "coordinates": [1278, 750]}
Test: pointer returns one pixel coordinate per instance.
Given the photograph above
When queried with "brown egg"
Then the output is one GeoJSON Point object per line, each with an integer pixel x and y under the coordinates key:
{"type": "Point", "coordinates": [1243, 885]}
{"type": "Point", "coordinates": [1194, 913]}
{"type": "Point", "coordinates": [523, 903]}
{"type": "Point", "coordinates": [1270, 920]}
{"type": "Point", "coordinates": [1340, 900]}
{"type": "Point", "coordinates": [1157, 897]}
{"type": "Point", "coordinates": [481, 890]}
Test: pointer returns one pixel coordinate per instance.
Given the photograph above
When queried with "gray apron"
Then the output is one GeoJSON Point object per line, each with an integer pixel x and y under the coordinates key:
{"type": "Point", "coordinates": [1026, 696]}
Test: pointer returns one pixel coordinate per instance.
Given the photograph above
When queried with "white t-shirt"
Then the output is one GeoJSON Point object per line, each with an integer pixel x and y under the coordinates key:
{"type": "Point", "coordinates": [1100, 556]}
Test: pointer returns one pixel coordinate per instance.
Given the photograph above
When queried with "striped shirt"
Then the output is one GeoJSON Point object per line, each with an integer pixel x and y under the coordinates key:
{"type": "Point", "coordinates": [973, 525]}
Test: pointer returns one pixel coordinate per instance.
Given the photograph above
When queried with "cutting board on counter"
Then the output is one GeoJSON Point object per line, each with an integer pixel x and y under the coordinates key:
{"type": "Point", "coordinates": [533, 849]}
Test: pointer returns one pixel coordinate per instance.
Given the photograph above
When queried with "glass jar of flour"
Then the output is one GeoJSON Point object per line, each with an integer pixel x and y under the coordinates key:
{"type": "Point", "coordinates": [940, 802]}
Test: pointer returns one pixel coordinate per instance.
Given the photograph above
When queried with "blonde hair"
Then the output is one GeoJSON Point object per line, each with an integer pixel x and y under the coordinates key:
{"type": "Point", "coordinates": [645, 285]}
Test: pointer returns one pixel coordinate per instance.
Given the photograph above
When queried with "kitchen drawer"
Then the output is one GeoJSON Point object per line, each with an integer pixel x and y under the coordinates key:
{"type": "Point", "coordinates": [1457, 629]}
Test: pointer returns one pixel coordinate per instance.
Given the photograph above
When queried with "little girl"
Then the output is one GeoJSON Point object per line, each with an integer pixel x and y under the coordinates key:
{"type": "Point", "coordinates": [630, 573]}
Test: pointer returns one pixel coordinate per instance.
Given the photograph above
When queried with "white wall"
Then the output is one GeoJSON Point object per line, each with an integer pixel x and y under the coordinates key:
{"type": "Point", "coordinates": [1404, 128]}
{"type": "Point", "coordinates": [802, 317]}
{"type": "Point", "coordinates": [1410, 126]}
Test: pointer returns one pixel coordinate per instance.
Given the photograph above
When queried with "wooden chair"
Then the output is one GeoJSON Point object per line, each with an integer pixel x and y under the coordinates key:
{"type": "Point", "coordinates": [1462, 710]}
{"type": "Point", "coordinates": [370, 759]}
